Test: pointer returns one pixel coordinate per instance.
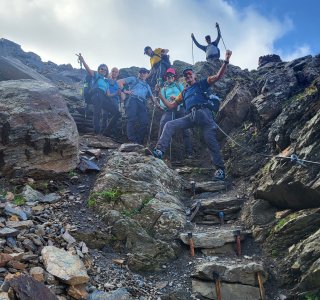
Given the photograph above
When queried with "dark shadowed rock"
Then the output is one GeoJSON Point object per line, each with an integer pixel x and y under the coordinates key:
{"type": "Point", "coordinates": [35, 117]}
{"type": "Point", "coordinates": [13, 69]}
{"type": "Point", "coordinates": [27, 288]}
{"type": "Point", "coordinates": [270, 58]}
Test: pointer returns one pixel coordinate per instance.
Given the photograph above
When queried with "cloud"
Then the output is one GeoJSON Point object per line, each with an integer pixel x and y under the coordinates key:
{"type": "Point", "coordinates": [298, 52]}
{"type": "Point", "coordinates": [116, 32]}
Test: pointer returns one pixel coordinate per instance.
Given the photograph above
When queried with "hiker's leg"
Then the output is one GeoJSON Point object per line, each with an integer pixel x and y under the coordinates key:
{"type": "Point", "coordinates": [131, 110]}
{"type": "Point", "coordinates": [166, 117]}
{"type": "Point", "coordinates": [113, 109]}
{"type": "Point", "coordinates": [170, 128]}
{"type": "Point", "coordinates": [143, 116]}
{"type": "Point", "coordinates": [185, 133]}
{"type": "Point", "coordinates": [209, 134]}
{"type": "Point", "coordinates": [97, 100]}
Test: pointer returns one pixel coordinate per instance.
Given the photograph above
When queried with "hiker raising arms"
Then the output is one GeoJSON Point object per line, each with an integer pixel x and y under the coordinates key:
{"type": "Point", "coordinates": [211, 49]}
{"type": "Point", "coordinates": [198, 115]}
{"type": "Point", "coordinates": [170, 90]}
{"type": "Point", "coordinates": [99, 97]}
{"type": "Point", "coordinates": [136, 105]}
{"type": "Point", "coordinates": [159, 61]}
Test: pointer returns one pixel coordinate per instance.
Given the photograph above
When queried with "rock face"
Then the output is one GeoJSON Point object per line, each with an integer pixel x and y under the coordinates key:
{"type": "Point", "coordinates": [271, 58]}
{"type": "Point", "coordinates": [135, 194]}
{"type": "Point", "coordinates": [13, 69]}
{"type": "Point", "coordinates": [67, 267]}
{"type": "Point", "coordinates": [35, 118]}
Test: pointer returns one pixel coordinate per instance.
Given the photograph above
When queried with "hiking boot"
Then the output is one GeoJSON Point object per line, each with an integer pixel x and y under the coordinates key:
{"type": "Point", "coordinates": [157, 153]}
{"type": "Point", "coordinates": [219, 175]}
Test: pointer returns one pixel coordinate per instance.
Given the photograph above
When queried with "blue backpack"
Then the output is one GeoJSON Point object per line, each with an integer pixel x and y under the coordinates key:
{"type": "Point", "coordinates": [88, 87]}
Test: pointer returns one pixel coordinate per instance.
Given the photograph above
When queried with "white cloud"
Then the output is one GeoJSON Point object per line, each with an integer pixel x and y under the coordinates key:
{"type": "Point", "coordinates": [115, 32]}
{"type": "Point", "coordinates": [298, 52]}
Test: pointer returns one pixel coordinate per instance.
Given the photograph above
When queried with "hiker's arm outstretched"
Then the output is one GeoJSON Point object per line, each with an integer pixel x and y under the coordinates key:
{"type": "Point", "coordinates": [81, 59]}
{"type": "Point", "coordinates": [216, 42]}
{"type": "Point", "coordinates": [168, 104]}
{"type": "Point", "coordinates": [197, 44]}
{"type": "Point", "coordinates": [212, 79]}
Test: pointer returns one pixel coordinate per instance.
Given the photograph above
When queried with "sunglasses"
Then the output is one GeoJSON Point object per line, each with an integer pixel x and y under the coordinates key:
{"type": "Point", "coordinates": [170, 76]}
{"type": "Point", "coordinates": [186, 74]}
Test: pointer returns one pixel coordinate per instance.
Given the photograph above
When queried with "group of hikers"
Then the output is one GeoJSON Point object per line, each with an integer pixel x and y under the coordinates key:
{"type": "Point", "coordinates": [183, 107]}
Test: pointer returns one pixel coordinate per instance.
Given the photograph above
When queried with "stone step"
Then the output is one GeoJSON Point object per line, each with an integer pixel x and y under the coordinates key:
{"type": "Point", "coordinates": [238, 278]}
{"type": "Point", "coordinates": [206, 186]}
{"type": "Point", "coordinates": [216, 240]}
{"type": "Point", "coordinates": [210, 208]}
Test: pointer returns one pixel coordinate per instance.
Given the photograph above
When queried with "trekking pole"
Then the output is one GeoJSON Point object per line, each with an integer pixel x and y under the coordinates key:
{"type": "Point", "coordinates": [191, 244]}
{"type": "Point", "coordinates": [217, 281]}
{"type": "Point", "coordinates": [192, 52]}
{"type": "Point", "coordinates": [218, 27]}
{"type": "Point", "coordinates": [238, 242]}
{"type": "Point", "coordinates": [150, 130]}
{"type": "Point", "coordinates": [261, 288]}
{"type": "Point", "coordinates": [170, 151]}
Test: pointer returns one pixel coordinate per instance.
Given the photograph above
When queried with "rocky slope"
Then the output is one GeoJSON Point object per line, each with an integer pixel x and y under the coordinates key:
{"type": "Point", "coordinates": [271, 116]}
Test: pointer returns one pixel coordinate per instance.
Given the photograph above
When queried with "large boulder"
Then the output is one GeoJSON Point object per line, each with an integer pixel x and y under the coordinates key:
{"type": "Point", "coordinates": [13, 69]}
{"type": "Point", "coordinates": [37, 132]}
{"type": "Point", "coordinates": [137, 195]}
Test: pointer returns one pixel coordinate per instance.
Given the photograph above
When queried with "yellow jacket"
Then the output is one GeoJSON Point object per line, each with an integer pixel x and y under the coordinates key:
{"type": "Point", "coordinates": [156, 57]}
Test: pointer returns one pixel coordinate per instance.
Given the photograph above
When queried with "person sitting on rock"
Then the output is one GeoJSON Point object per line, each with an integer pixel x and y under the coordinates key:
{"type": "Point", "coordinates": [136, 105]}
{"type": "Point", "coordinates": [212, 51]}
{"type": "Point", "coordinates": [199, 115]}
{"type": "Point", "coordinates": [170, 90]}
{"type": "Point", "coordinates": [99, 98]}
{"type": "Point", "coordinates": [159, 61]}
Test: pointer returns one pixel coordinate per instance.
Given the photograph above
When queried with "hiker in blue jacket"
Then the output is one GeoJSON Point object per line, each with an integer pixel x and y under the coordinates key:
{"type": "Point", "coordinates": [136, 105]}
{"type": "Point", "coordinates": [199, 115]}
{"type": "Point", "coordinates": [170, 90]}
{"type": "Point", "coordinates": [99, 97]}
{"type": "Point", "coordinates": [211, 49]}
{"type": "Point", "coordinates": [113, 93]}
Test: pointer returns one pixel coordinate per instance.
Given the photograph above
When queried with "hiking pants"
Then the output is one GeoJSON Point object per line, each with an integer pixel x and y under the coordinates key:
{"type": "Point", "coordinates": [197, 118]}
{"type": "Point", "coordinates": [137, 119]}
{"type": "Point", "coordinates": [110, 107]}
{"type": "Point", "coordinates": [98, 98]}
{"type": "Point", "coordinates": [170, 115]}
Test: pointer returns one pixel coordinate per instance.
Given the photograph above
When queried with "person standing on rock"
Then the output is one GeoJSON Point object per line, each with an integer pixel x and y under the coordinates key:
{"type": "Point", "coordinates": [99, 98]}
{"type": "Point", "coordinates": [136, 105]}
{"type": "Point", "coordinates": [211, 49]}
{"type": "Point", "coordinates": [159, 61]}
{"type": "Point", "coordinates": [113, 92]}
{"type": "Point", "coordinates": [170, 90]}
{"type": "Point", "coordinates": [199, 115]}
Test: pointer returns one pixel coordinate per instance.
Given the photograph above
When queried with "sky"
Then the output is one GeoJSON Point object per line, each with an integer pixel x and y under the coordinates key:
{"type": "Point", "coordinates": [115, 32]}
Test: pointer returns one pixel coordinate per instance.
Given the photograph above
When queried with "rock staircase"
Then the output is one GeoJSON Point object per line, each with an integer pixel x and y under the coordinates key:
{"type": "Point", "coordinates": [222, 268]}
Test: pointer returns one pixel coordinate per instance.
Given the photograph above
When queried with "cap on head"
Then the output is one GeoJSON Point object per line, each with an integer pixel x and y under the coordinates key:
{"type": "Point", "coordinates": [146, 49]}
{"type": "Point", "coordinates": [188, 69]}
{"type": "Point", "coordinates": [143, 70]}
{"type": "Point", "coordinates": [170, 71]}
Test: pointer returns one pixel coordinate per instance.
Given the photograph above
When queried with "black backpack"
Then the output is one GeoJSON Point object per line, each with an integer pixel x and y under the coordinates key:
{"type": "Point", "coordinates": [88, 86]}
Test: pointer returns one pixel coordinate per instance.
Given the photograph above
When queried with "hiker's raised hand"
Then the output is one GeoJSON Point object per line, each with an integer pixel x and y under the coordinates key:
{"type": "Point", "coordinates": [80, 57]}
{"type": "Point", "coordinates": [228, 54]}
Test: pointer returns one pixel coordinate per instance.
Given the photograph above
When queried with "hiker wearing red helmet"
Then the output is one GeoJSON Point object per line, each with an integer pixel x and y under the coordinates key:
{"type": "Point", "coordinates": [198, 115]}
{"type": "Point", "coordinates": [171, 89]}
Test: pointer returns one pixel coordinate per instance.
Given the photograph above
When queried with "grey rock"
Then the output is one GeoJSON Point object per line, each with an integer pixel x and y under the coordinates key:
{"type": "Point", "coordinates": [6, 232]}
{"type": "Point", "coordinates": [31, 195]}
{"type": "Point", "coordinates": [51, 198]}
{"type": "Point", "coordinates": [9, 210]}
{"type": "Point", "coordinates": [62, 264]}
